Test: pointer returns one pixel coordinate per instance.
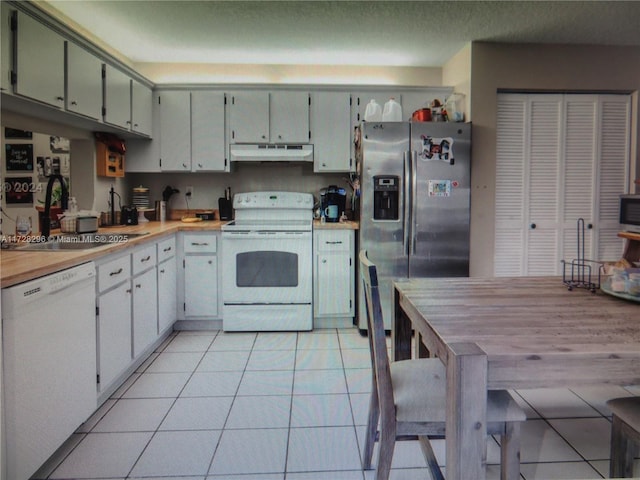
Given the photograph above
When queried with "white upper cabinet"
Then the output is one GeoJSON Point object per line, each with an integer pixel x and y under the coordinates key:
{"type": "Point", "coordinates": [39, 62]}
{"type": "Point", "coordinates": [141, 108]}
{"type": "Point", "coordinates": [331, 132]}
{"type": "Point", "coordinates": [175, 131]}
{"type": "Point", "coordinates": [117, 97]}
{"type": "Point", "coordinates": [264, 117]}
{"type": "Point", "coordinates": [249, 117]}
{"type": "Point", "coordinates": [207, 132]}
{"type": "Point", "coordinates": [84, 82]}
{"type": "Point", "coordinates": [289, 117]}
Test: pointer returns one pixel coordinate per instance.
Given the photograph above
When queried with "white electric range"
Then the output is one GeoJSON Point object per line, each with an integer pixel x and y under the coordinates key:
{"type": "Point", "coordinates": [267, 263]}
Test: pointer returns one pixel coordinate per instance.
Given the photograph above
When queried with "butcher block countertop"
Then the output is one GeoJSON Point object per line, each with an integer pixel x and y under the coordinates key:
{"type": "Point", "coordinates": [20, 266]}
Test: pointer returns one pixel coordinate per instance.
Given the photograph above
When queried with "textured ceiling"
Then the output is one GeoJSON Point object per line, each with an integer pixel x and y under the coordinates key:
{"type": "Point", "coordinates": [393, 33]}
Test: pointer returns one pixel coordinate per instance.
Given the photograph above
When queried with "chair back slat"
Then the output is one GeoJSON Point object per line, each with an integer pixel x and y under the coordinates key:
{"type": "Point", "coordinates": [377, 339]}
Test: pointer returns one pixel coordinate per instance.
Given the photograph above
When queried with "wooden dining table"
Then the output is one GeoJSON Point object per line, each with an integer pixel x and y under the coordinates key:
{"type": "Point", "coordinates": [511, 333]}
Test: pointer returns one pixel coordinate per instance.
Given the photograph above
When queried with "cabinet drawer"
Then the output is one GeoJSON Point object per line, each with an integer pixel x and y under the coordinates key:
{"type": "Point", "coordinates": [333, 241]}
{"type": "Point", "coordinates": [199, 243]}
{"type": "Point", "coordinates": [114, 272]}
{"type": "Point", "coordinates": [144, 258]}
{"type": "Point", "coordinates": [166, 248]}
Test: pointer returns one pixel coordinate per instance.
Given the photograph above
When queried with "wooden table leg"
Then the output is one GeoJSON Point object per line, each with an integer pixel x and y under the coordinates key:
{"type": "Point", "coordinates": [466, 412]}
{"type": "Point", "coordinates": [400, 331]}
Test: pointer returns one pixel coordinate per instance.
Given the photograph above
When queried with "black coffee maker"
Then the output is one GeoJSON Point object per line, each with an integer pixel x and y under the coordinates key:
{"type": "Point", "coordinates": [332, 203]}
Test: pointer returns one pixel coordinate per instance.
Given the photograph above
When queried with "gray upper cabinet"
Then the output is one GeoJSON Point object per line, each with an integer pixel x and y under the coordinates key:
{"type": "Point", "coordinates": [289, 117]}
{"type": "Point", "coordinates": [84, 82]}
{"type": "Point", "coordinates": [331, 132]}
{"type": "Point", "coordinates": [141, 108]}
{"type": "Point", "coordinates": [117, 97]}
{"type": "Point", "coordinates": [269, 117]}
{"type": "Point", "coordinates": [249, 117]}
{"type": "Point", "coordinates": [39, 61]}
{"type": "Point", "coordinates": [207, 132]}
{"type": "Point", "coordinates": [175, 131]}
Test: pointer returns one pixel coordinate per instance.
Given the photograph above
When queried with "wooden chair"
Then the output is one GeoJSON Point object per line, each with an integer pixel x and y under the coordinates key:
{"type": "Point", "coordinates": [625, 435]}
{"type": "Point", "coordinates": [408, 399]}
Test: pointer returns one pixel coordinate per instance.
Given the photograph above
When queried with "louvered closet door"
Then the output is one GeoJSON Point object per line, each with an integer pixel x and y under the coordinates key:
{"type": "Point", "coordinates": [580, 175]}
{"type": "Point", "coordinates": [613, 167]}
{"type": "Point", "coordinates": [510, 184]}
{"type": "Point", "coordinates": [559, 158]}
{"type": "Point", "coordinates": [543, 174]}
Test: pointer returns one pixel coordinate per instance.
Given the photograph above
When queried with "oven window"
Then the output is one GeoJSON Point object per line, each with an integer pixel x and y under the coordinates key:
{"type": "Point", "coordinates": [267, 269]}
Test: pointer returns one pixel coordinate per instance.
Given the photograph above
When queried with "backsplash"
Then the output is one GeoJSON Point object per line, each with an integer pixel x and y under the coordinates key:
{"type": "Point", "coordinates": [208, 187]}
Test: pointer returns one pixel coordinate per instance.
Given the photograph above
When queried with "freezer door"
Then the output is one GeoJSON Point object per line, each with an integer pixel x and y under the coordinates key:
{"type": "Point", "coordinates": [383, 234]}
{"type": "Point", "coordinates": [440, 193]}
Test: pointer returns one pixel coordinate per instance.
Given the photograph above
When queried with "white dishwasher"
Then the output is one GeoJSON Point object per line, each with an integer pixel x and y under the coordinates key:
{"type": "Point", "coordinates": [49, 356]}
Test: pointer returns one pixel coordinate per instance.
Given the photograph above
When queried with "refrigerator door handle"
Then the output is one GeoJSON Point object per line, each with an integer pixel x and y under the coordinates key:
{"type": "Point", "coordinates": [406, 213]}
{"type": "Point", "coordinates": [414, 201]}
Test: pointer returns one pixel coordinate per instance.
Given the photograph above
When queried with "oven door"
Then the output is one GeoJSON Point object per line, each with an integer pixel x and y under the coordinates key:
{"type": "Point", "coordinates": [264, 267]}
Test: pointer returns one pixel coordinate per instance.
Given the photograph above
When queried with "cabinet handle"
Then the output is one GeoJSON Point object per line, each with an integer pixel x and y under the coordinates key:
{"type": "Point", "coordinates": [336, 242]}
{"type": "Point", "coordinates": [128, 122]}
{"type": "Point", "coordinates": [199, 165]}
{"type": "Point", "coordinates": [116, 272]}
{"type": "Point", "coordinates": [60, 99]}
{"type": "Point", "coordinates": [324, 260]}
{"type": "Point", "coordinates": [210, 262]}
{"type": "Point", "coordinates": [138, 285]}
{"type": "Point", "coordinates": [533, 226]}
{"type": "Point", "coordinates": [162, 271]}
{"type": "Point", "coordinates": [74, 102]}
{"type": "Point", "coordinates": [199, 244]}
{"type": "Point", "coordinates": [184, 165]}
{"type": "Point", "coordinates": [145, 259]}
{"type": "Point", "coordinates": [590, 226]}
{"type": "Point", "coordinates": [135, 125]}
{"type": "Point", "coordinates": [280, 137]}
{"type": "Point", "coordinates": [168, 249]}
{"type": "Point", "coordinates": [264, 136]}
{"type": "Point", "coordinates": [128, 290]}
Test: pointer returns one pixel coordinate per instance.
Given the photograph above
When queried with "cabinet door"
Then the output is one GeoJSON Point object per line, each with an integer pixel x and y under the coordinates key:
{"type": "Point", "coordinates": [201, 286]}
{"type": "Point", "coordinates": [333, 289]}
{"type": "Point", "coordinates": [289, 117]}
{"type": "Point", "coordinates": [145, 311]}
{"type": "Point", "coordinates": [141, 100]}
{"type": "Point", "coordinates": [84, 82]}
{"type": "Point", "coordinates": [331, 132]}
{"type": "Point", "coordinates": [117, 97]}
{"type": "Point", "coordinates": [249, 117]}
{"type": "Point", "coordinates": [207, 132]}
{"type": "Point", "coordinates": [114, 333]}
{"type": "Point", "coordinates": [175, 131]}
{"type": "Point", "coordinates": [167, 300]}
{"type": "Point", "coordinates": [39, 61]}
{"type": "Point", "coordinates": [6, 48]}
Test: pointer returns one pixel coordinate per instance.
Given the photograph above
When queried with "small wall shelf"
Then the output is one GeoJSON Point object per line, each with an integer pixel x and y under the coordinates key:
{"type": "Point", "coordinates": [109, 162]}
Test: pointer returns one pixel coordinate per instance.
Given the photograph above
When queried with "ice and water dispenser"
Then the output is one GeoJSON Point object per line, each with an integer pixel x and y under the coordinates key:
{"type": "Point", "coordinates": [386, 197]}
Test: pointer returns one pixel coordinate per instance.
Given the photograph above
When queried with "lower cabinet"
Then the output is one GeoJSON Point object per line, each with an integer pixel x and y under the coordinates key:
{"type": "Point", "coordinates": [167, 283]}
{"type": "Point", "coordinates": [114, 319]}
{"type": "Point", "coordinates": [333, 277]}
{"type": "Point", "coordinates": [145, 293]}
{"type": "Point", "coordinates": [200, 275]}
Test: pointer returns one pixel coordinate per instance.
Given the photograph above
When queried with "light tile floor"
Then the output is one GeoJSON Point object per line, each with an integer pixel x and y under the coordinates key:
{"type": "Point", "coordinates": [292, 406]}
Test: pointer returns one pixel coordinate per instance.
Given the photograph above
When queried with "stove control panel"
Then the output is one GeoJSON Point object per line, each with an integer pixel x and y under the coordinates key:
{"type": "Point", "coordinates": [271, 200]}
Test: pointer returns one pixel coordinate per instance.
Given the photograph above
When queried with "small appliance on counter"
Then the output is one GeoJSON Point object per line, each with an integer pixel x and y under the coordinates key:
{"type": "Point", "coordinates": [332, 203]}
{"type": "Point", "coordinates": [129, 216]}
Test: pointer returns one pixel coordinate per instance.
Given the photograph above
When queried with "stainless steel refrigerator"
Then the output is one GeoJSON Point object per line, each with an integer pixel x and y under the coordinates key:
{"type": "Point", "coordinates": [415, 190]}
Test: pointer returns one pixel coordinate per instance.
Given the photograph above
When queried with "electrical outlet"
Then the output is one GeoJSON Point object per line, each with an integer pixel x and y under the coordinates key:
{"type": "Point", "coordinates": [189, 192]}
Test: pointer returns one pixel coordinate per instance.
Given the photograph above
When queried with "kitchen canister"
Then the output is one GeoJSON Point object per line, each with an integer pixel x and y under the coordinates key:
{"type": "Point", "coordinates": [373, 112]}
{"type": "Point", "coordinates": [392, 111]}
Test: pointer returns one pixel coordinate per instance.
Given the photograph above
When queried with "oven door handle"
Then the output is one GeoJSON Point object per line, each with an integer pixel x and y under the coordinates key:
{"type": "Point", "coordinates": [264, 235]}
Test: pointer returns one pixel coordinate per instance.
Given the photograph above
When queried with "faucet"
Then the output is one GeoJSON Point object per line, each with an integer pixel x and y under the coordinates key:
{"type": "Point", "coordinates": [64, 201]}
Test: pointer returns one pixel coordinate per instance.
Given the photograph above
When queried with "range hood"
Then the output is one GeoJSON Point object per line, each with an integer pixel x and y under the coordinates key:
{"type": "Point", "coordinates": [271, 153]}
